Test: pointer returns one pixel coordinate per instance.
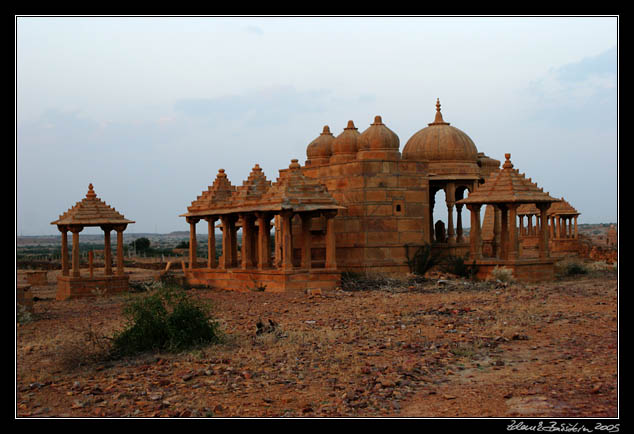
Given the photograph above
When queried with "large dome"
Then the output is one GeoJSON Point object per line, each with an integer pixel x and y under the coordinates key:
{"type": "Point", "coordinates": [439, 141]}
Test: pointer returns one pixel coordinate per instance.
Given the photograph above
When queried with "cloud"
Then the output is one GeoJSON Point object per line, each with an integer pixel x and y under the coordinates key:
{"type": "Point", "coordinates": [255, 30]}
{"type": "Point", "coordinates": [578, 94]}
{"type": "Point", "coordinates": [266, 106]}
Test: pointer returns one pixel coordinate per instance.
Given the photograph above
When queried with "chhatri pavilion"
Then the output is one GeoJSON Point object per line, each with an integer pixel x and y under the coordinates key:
{"type": "Point", "coordinates": [91, 211]}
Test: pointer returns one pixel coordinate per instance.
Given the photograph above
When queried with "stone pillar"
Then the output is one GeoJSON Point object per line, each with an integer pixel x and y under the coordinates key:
{"type": "Point", "coordinates": [64, 231]}
{"type": "Point", "coordinates": [120, 230]}
{"type": "Point", "coordinates": [497, 230]}
{"type": "Point", "coordinates": [264, 240]}
{"type": "Point", "coordinates": [278, 240]}
{"type": "Point", "coordinates": [450, 195]}
{"type": "Point", "coordinates": [459, 231]}
{"type": "Point", "coordinates": [331, 248]}
{"type": "Point", "coordinates": [576, 229]}
{"type": "Point", "coordinates": [306, 241]}
{"type": "Point", "coordinates": [76, 230]}
{"type": "Point", "coordinates": [475, 236]}
{"type": "Point", "coordinates": [247, 241]}
{"type": "Point", "coordinates": [504, 233]}
{"type": "Point", "coordinates": [107, 250]}
{"type": "Point", "coordinates": [544, 250]}
{"type": "Point", "coordinates": [432, 202]}
{"type": "Point", "coordinates": [192, 242]}
{"type": "Point", "coordinates": [287, 240]}
{"type": "Point", "coordinates": [530, 225]}
{"type": "Point", "coordinates": [551, 227]}
{"type": "Point", "coordinates": [229, 253]}
{"type": "Point", "coordinates": [211, 241]}
{"type": "Point", "coordinates": [513, 251]}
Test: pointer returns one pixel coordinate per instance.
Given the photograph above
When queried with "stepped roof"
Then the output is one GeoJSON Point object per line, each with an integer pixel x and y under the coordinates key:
{"type": "Point", "coordinates": [91, 211]}
{"type": "Point", "coordinates": [292, 191]}
{"type": "Point", "coordinates": [508, 186]}
{"type": "Point", "coordinates": [562, 207]}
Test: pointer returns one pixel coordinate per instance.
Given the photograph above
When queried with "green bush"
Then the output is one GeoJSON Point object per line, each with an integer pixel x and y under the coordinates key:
{"type": "Point", "coordinates": [166, 319]}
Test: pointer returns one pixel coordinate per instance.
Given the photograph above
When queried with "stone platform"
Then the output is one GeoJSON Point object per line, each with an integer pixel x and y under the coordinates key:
{"type": "Point", "coordinates": [525, 270]}
{"type": "Point", "coordinates": [268, 280]}
{"type": "Point", "coordinates": [83, 286]}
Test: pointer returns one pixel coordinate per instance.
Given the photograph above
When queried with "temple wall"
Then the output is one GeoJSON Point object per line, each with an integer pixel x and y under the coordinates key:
{"type": "Point", "coordinates": [387, 204]}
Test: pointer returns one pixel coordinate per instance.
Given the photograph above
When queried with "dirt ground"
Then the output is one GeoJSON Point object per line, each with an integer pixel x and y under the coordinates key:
{"type": "Point", "coordinates": [439, 348]}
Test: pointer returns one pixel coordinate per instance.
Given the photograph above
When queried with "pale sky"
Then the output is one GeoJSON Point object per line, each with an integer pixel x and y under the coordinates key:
{"type": "Point", "coordinates": [147, 109]}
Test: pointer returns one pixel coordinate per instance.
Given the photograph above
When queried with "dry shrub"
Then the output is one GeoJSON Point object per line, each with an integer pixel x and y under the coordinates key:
{"type": "Point", "coordinates": [502, 274]}
{"type": "Point", "coordinates": [88, 348]}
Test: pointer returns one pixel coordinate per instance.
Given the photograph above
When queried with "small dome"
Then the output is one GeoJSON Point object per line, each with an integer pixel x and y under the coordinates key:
{"type": "Point", "coordinates": [440, 141]}
{"type": "Point", "coordinates": [321, 147]}
{"type": "Point", "coordinates": [346, 143]}
{"type": "Point", "coordinates": [378, 136]}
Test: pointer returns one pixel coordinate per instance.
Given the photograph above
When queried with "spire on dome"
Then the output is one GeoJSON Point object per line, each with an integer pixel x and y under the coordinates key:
{"type": "Point", "coordinates": [438, 120]}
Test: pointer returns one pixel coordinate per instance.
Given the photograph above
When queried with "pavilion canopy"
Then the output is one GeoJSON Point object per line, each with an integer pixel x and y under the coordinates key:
{"type": "Point", "coordinates": [292, 191]}
{"type": "Point", "coordinates": [91, 211]}
{"type": "Point", "coordinates": [508, 186]}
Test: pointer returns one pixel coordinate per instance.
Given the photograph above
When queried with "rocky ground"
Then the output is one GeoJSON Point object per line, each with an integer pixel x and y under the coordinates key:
{"type": "Point", "coordinates": [433, 348]}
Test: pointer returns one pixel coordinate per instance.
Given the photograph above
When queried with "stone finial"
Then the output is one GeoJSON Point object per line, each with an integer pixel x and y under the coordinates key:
{"type": "Point", "coordinates": [507, 163]}
{"type": "Point", "coordinates": [326, 131]}
{"type": "Point", "coordinates": [350, 126]}
{"type": "Point", "coordinates": [378, 120]}
{"type": "Point", "coordinates": [294, 164]}
{"type": "Point", "coordinates": [91, 193]}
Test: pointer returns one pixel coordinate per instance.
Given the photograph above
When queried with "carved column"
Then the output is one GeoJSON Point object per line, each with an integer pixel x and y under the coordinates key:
{"type": "Point", "coordinates": [497, 213]}
{"type": "Point", "coordinates": [287, 240]}
{"type": "Point", "coordinates": [306, 240]}
{"type": "Point", "coordinates": [76, 230]}
{"type": "Point", "coordinates": [331, 248]}
{"type": "Point", "coordinates": [459, 231]}
{"type": "Point", "coordinates": [247, 241]}
{"type": "Point", "coordinates": [513, 251]}
{"type": "Point", "coordinates": [544, 250]}
{"type": "Point", "coordinates": [192, 242]}
{"type": "Point", "coordinates": [264, 240]}
{"type": "Point", "coordinates": [120, 229]}
{"type": "Point", "coordinates": [211, 241]}
{"type": "Point", "coordinates": [475, 236]}
{"type": "Point", "coordinates": [576, 229]}
{"type": "Point", "coordinates": [64, 231]}
{"type": "Point", "coordinates": [450, 195]}
{"type": "Point", "coordinates": [278, 240]}
{"type": "Point", "coordinates": [504, 232]}
{"type": "Point", "coordinates": [229, 243]}
{"type": "Point", "coordinates": [107, 250]}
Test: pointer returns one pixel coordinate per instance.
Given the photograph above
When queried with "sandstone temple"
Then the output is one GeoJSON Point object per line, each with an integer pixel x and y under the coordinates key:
{"type": "Point", "coordinates": [360, 204]}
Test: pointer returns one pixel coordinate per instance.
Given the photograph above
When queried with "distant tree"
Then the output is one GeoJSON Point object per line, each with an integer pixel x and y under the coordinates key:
{"type": "Point", "coordinates": [141, 244]}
